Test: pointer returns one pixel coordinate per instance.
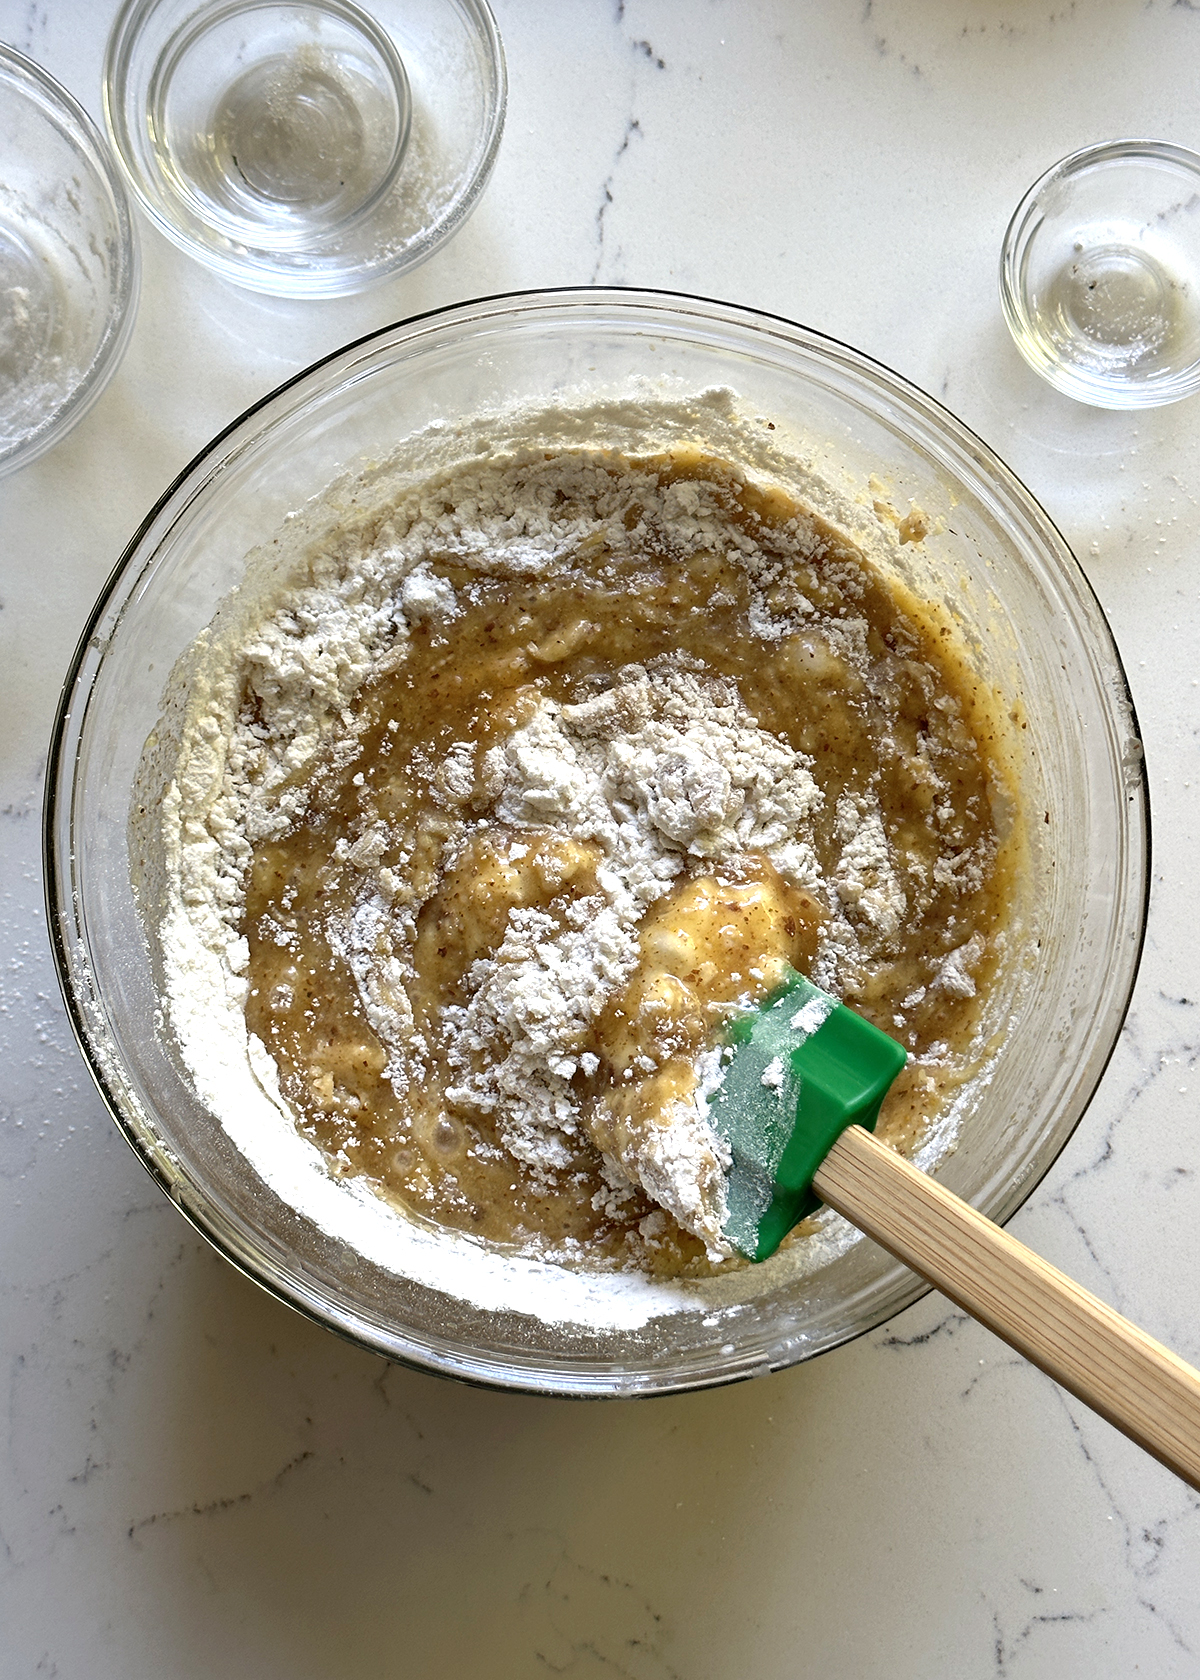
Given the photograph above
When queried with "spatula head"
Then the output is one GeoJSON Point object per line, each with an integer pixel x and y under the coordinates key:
{"type": "Point", "coordinates": [803, 1068]}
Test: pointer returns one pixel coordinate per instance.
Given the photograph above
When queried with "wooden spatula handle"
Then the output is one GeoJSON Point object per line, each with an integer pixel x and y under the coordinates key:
{"type": "Point", "coordinates": [1126, 1376]}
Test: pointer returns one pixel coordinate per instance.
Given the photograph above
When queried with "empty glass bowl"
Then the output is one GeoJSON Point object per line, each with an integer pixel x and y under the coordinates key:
{"type": "Point", "coordinates": [1100, 274]}
{"type": "Point", "coordinates": [301, 146]}
{"type": "Point", "coordinates": [68, 262]}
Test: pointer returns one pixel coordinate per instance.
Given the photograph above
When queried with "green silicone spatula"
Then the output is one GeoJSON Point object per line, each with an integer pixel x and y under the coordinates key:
{"type": "Point", "coordinates": [797, 1105]}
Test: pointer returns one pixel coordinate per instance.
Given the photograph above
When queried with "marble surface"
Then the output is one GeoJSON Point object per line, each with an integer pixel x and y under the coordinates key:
{"type": "Point", "coordinates": [194, 1482]}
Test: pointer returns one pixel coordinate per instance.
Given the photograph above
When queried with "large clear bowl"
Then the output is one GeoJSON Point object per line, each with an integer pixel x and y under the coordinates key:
{"type": "Point", "coordinates": [1029, 619]}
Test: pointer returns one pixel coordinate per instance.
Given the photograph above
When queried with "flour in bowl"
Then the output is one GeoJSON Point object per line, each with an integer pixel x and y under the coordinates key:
{"type": "Point", "coordinates": [478, 829]}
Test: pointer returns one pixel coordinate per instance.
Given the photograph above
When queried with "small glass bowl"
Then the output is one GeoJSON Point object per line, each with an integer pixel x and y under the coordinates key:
{"type": "Point", "coordinates": [302, 147]}
{"type": "Point", "coordinates": [68, 262]}
{"type": "Point", "coordinates": [1100, 274]}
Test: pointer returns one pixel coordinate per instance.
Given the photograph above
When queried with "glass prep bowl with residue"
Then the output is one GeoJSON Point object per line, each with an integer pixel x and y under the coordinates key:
{"type": "Point", "coordinates": [69, 263]}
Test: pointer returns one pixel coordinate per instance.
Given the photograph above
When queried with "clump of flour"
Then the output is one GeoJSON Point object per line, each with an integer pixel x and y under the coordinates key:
{"type": "Point", "coordinates": [661, 769]}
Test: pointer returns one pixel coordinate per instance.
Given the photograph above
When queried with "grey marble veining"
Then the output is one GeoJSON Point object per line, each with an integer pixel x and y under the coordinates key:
{"type": "Point", "coordinates": [195, 1484]}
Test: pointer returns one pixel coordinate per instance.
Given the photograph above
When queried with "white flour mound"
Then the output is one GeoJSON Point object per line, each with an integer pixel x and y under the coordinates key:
{"type": "Point", "coordinates": [655, 770]}
{"type": "Point", "coordinates": [663, 767]}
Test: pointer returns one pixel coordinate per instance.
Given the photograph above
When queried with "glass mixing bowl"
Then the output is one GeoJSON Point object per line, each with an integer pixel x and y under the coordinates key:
{"type": "Point", "coordinates": [1034, 632]}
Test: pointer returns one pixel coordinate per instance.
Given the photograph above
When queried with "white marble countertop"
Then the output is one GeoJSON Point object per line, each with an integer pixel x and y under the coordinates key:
{"type": "Point", "coordinates": [197, 1483]}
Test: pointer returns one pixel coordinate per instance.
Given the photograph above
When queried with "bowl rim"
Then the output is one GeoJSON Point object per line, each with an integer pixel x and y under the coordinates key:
{"type": "Point", "coordinates": [261, 277]}
{"type": "Point", "coordinates": [89, 140]}
{"type": "Point", "coordinates": [58, 789]}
